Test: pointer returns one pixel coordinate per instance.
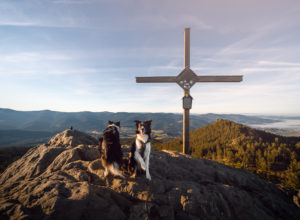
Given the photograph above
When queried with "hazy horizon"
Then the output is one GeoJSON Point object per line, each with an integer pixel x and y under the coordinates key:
{"type": "Point", "coordinates": [192, 113]}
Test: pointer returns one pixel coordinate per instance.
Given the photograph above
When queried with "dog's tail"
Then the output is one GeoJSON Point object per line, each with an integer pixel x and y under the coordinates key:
{"type": "Point", "coordinates": [100, 140]}
{"type": "Point", "coordinates": [131, 160]}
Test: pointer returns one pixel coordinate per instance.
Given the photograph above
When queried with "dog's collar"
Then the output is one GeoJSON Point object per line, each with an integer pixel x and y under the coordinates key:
{"type": "Point", "coordinates": [143, 144]}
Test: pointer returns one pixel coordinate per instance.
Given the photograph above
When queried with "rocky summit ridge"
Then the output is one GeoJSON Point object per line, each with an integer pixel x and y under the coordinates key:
{"type": "Point", "coordinates": [63, 179]}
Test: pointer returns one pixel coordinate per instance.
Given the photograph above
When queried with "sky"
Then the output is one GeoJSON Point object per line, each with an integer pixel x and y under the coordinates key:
{"type": "Point", "coordinates": [84, 55]}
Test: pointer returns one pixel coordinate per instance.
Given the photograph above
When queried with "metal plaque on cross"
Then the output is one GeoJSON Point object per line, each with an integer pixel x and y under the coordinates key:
{"type": "Point", "coordinates": [186, 79]}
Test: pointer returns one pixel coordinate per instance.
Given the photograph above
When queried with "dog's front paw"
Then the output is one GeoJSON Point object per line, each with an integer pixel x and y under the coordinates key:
{"type": "Point", "coordinates": [148, 176]}
{"type": "Point", "coordinates": [143, 166]}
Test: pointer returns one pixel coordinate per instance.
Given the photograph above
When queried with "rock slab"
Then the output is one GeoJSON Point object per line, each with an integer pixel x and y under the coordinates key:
{"type": "Point", "coordinates": [63, 179]}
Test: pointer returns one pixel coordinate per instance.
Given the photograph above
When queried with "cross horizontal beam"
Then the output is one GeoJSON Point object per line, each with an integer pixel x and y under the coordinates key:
{"type": "Point", "coordinates": [235, 78]}
{"type": "Point", "coordinates": [173, 79]}
{"type": "Point", "coordinates": [156, 79]}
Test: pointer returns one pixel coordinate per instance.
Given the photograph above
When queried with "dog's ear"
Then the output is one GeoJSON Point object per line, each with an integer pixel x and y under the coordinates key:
{"type": "Point", "coordinates": [137, 126]}
{"type": "Point", "coordinates": [148, 122]}
{"type": "Point", "coordinates": [117, 123]}
{"type": "Point", "coordinates": [110, 122]}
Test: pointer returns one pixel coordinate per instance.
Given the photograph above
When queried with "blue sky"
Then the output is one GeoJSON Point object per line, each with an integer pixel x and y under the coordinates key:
{"type": "Point", "coordinates": [84, 55]}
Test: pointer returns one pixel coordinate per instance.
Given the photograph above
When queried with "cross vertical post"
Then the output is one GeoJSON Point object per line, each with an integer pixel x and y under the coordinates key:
{"type": "Point", "coordinates": [186, 93]}
{"type": "Point", "coordinates": [186, 129]}
{"type": "Point", "coordinates": [186, 79]}
{"type": "Point", "coordinates": [186, 47]}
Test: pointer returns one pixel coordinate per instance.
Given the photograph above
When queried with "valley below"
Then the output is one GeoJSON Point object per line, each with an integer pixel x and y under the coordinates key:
{"type": "Point", "coordinates": [29, 128]}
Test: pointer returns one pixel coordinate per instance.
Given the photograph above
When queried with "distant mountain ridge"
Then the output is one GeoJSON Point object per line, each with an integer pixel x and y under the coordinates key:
{"type": "Point", "coordinates": [165, 125]}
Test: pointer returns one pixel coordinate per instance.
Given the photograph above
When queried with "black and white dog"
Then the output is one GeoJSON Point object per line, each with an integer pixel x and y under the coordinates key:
{"type": "Point", "coordinates": [110, 149]}
{"type": "Point", "coordinates": [141, 148]}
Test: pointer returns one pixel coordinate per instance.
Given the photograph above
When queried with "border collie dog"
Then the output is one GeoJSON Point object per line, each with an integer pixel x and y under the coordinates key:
{"type": "Point", "coordinates": [110, 149]}
{"type": "Point", "coordinates": [141, 148]}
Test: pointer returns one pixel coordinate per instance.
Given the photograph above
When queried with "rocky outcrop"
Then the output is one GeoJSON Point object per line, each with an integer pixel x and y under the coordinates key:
{"type": "Point", "coordinates": [63, 179]}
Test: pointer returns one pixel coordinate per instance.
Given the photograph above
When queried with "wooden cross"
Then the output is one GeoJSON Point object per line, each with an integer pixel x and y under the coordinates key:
{"type": "Point", "coordinates": [186, 79]}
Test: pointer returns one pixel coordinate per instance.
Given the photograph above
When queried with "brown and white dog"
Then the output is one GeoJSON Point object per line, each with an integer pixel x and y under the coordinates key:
{"type": "Point", "coordinates": [110, 149]}
{"type": "Point", "coordinates": [141, 148]}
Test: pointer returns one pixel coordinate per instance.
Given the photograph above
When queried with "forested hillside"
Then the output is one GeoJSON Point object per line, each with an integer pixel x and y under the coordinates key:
{"type": "Point", "coordinates": [273, 157]}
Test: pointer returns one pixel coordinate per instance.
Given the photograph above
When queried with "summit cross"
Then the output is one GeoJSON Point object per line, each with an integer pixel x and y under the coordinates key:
{"type": "Point", "coordinates": [186, 79]}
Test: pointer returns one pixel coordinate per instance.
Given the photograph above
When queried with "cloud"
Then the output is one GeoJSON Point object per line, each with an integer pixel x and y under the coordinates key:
{"type": "Point", "coordinates": [271, 69]}
{"type": "Point", "coordinates": [280, 72]}
{"type": "Point", "coordinates": [170, 21]}
{"type": "Point", "coordinates": [73, 1]}
{"type": "Point", "coordinates": [278, 63]}
{"type": "Point", "coordinates": [64, 22]}
{"type": "Point", "coordinates": [82, 92]}
{"type": "Point", "coordinates": [24, 57]}
{"type": "Point", "coordinates": [18, 23]}
{"type": "Point", "coordinates": [37, 14]}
